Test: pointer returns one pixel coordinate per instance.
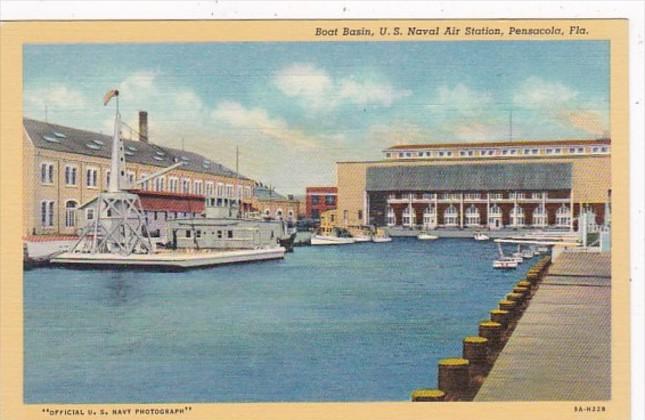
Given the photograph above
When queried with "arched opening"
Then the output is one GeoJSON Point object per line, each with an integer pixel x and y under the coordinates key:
{"type": "Point", "coordinates": [391, 217]}
{"type": "Point", "coordinates": [540, 216]}
{"type": "Point", "coordinates": [563, 216]}
{"type": "Point", "coordinates": [409, 217]}
{"type": "Point", "coordinates": [70, 213]}
{"type": "Point", "coordinates": [430, 217]}
{"type": "Point", "coordinates": [517, 216]}
{"type": "Point", "coordinates": [451, 216]}
{"type": "Point", "coordinates": [472, 216]}
{"type": "Point", "coordinates": [495, 217]}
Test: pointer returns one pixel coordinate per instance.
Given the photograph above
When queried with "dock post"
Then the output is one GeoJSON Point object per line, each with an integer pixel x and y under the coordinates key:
{"type": "Point", "coordinates": [493, 332]}
{"type": "Point", "coordinates": [475, 350]}
{"type": "Point", "coordinates": [428, 395]}
{"type": "Point", "coordinates": [501, 316]}
{"type": "Point", "coordinates": [511, 307]}
{"type": "Point", "coordinates": [454, 377]}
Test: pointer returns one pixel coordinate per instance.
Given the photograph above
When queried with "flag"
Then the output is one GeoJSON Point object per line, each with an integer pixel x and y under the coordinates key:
{"type": "Point", "coordinates": [109, 95]}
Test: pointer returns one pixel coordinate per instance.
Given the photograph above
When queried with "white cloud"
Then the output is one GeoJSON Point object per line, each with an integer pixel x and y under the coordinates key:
{"type": "Point", "coordinates": [251, 121]}
{"type": "Point", "coordinates": [463, 99]}
{"type": "Point", "coordinates": [317, 90]}
{"type": "Point", "coordinates": [56, 98]}
{"type": "Point", "coordinates": [539, 93]}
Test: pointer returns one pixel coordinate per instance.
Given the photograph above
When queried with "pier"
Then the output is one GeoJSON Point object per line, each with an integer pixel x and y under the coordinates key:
{"type": "Point", "coordinates": [560, 349]}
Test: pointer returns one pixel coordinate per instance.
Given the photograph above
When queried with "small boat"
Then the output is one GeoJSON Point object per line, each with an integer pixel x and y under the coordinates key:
{"type": "Point", "coordinates": [362, 238]}
{"type": "Point", "coordinates": [426, 237]}
{"type": "Point", "coordinates": [330, 240]}
{"type": "Point", "coordinates": [381, 239]}
{"type": "Point", "coordinates": [480, 237]}
{"type": "Point", "coordinates": [528, 254]}
{"type": "Point", "coordinates": [504, 263]}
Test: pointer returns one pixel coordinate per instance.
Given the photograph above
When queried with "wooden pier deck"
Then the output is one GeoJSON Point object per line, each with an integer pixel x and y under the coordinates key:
{"type": "Point", "coordinates": [561, 347]}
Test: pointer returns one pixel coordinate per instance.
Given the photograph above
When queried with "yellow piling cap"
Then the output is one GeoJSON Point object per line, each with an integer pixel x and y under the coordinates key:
{"type": "Point", "coordinates": [475, 339]}
{"type": "Point", "coordinates": [506, 302]}
{"type": "Point", "coordinates": [523, 283]}
{"type": "Point", "coordinates": [454, 362]}
{"type": "Point", "coordinates": [499, 312]}
{"type": "Point", "coordinates": [428, 393]}
{"type": "Point", "coordinates": [490, 324]}
{"type": "Point", "coordinates": [512, 296]}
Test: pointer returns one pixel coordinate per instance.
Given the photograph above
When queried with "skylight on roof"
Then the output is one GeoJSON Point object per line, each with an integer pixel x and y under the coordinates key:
{"type": "Point", "coordinates": [129, 153]}
{"type": "Point", "coordinates": [60, 135]}
{"type": "Point", "coordinates": [93, 146]}
{"type": "Point", "coordinates": [159, 158]}
{"type": "Point", "coordinates": [51, 139]}
{"type": "Point", "coordinates": [131, 148]}
{"type": "Point", "coordinates": [160, 153]}
{"type": "Point", "coordinates": [99, 142]}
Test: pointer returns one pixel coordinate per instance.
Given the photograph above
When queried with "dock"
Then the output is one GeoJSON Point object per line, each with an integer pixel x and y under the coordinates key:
{"type": "Point", "coordinates": [561, 347]}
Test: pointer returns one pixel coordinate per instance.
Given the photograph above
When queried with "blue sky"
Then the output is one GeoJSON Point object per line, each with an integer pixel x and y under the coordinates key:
{"type": "Point", "coordinates": [294, 109]}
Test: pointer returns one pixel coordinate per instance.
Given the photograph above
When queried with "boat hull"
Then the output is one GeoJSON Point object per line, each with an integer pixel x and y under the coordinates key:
{"type": "Point", "coordinates": [169, 260]}
{"type": "Point", "coordinates": [381, 239]}
{"type": "Point", "coordinates": [424, 237]}
{"type": "Point", "coordinates": [329, 240]}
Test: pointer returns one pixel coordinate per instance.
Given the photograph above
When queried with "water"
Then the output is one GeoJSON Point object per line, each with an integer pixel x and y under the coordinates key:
{"type": "Point", "coordinates": [366, 322]}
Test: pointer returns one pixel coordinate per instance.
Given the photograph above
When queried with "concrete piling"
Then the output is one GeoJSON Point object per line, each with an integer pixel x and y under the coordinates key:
{"type": "Point", "coordinates": [475, 350]}
{"type": "Point", "coordinates": [428, 395]}
{"type": "Point", "coordinates": [510, 306]}
{"type": "Point", "coordinates": [493, 332]}
{"type": "Point", "coordinates": [454, 377]}
{"type": "Point", "coordinates": [500, 316]}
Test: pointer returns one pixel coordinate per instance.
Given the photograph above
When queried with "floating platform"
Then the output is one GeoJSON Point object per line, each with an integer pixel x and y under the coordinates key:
{"type": "Point", "coordinates": [173, 260]}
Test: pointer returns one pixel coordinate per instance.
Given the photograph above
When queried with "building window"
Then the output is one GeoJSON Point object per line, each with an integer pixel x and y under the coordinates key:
{"type": "Point", "coordinates": [517, 216]}
{"type": "Point", "coordinates": [472, 196]}
{"type": "Point", "coordinates": [387, 155]}
{"type": "Point", "coordinates": [429, 196]}
{"type": "Point", "coordinates": [159, 183]}
{"type": "Point", "coordinates": [145, 185]}
{"type": "Point", "coordinates": [91, 177]}
{"type": "Point", "coordinates": [198, 187]}
{"type": "Point", "coordinates": [70, 175]}
{"type": "Point", "coordinates": [107, 178]}
{"type": "Point", "coordinates": [89, 214]}
{"type": "Point", "coordinates": [70, 213]}
{"type": "Point", "coordinates": [131, 177]}
{"type": "Point", "coordinates": [229, 190]}
{"type": "Point", "coordinates": [472, 216]}
{"type": "Point", "coordinates": [517, 195]}
{"type": "Point", "coordinates": [230, 234]}
{"type": "Point", "coordinates": [185, 185]}
{"type": "Point", "coordinates": [210, 188]}
{"type": "Point", "coordinates": [450, 216]}
{"type": "Point", "coordinates": [495, 216]}
{"type": "Point", "coordinates": [539, 216]}
{"type": "Point", "coordinates": [430, 217]}
{"type": "Point", "coordinates": [173, 184]}
{"type": "Point", "coordinates": [563, 216]}
{"type": "Point", "coordinates": [315, 200]}
{"type": "Point", "coordinates": [451, 196]}
{"type": "Point", "coordinates": [391, 217]}
{"type": "Point", "coordinates": [360, 215]}
{"type": "Point", "coordinates": [278, 213]}
{"type": "Point", "coordinates": [47, 173]}
{"type": "Point", "coordinates": [188, 233]}
{"type": "Point", "coordinates": [330, 200]}
{"type": "Point", "coordinates": [47, 213]}
{"type": "Point", "coordinates": [496, 196]}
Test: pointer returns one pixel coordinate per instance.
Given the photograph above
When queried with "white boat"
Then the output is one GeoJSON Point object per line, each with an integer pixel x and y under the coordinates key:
{"type": "Point", "coordinates": [528, 254]}
{"type": "Point", "coordinates": [362, 238]}
{"type": "Point", "coordinates": [480, 237]}
{"type": "Point", "coordinates": [504, 263]}
{"type": "Point", "coordinates": [426, 237]}
{"type": "Point", "coordinates": [330, 240]}
{"type": "Point", "coordinates": [381, 239]}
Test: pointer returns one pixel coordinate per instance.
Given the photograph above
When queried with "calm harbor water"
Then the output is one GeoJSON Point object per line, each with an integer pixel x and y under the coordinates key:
{"type": "Point", "coordinates": [366, 322]}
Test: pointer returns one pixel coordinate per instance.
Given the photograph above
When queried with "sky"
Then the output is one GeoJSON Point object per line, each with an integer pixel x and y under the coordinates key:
{"type": "Point", "coordinates": [294, 109]}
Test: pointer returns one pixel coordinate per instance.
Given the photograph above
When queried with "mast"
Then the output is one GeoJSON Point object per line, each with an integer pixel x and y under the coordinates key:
{"type": "Point", "coordinates": [117, 165]}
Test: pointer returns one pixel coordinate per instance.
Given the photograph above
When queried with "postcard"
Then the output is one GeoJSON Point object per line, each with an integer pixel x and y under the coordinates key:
{"type": "Point", "coordinates": [315, 219]}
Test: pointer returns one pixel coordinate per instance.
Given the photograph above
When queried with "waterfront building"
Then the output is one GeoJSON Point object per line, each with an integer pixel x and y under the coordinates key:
{"type": "Point", "coordinates": [273, 205]}
{"type": "Point", "coordinates": [519, 184]}
{"type": "Point", "coordinates": [65, 167]}
{"type": "Point", "coordinates": [319, 200]}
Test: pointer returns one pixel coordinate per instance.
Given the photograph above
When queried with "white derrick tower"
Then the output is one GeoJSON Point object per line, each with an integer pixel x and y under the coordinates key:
{"type": "Point", "coordinates": [119, 224]}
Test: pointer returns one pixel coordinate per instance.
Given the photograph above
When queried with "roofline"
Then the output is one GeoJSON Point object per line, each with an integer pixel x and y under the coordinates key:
{"type": "Point", "coordinates": [498, 144]}
{"type": "Point", "coordinates": [524, 159]}
{"type": "Point", "coordinates": [159, 165]}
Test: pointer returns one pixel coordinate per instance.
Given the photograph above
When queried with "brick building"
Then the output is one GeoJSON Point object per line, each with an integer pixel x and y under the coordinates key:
{"type": "Point", "coordinates": [319, 200]}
